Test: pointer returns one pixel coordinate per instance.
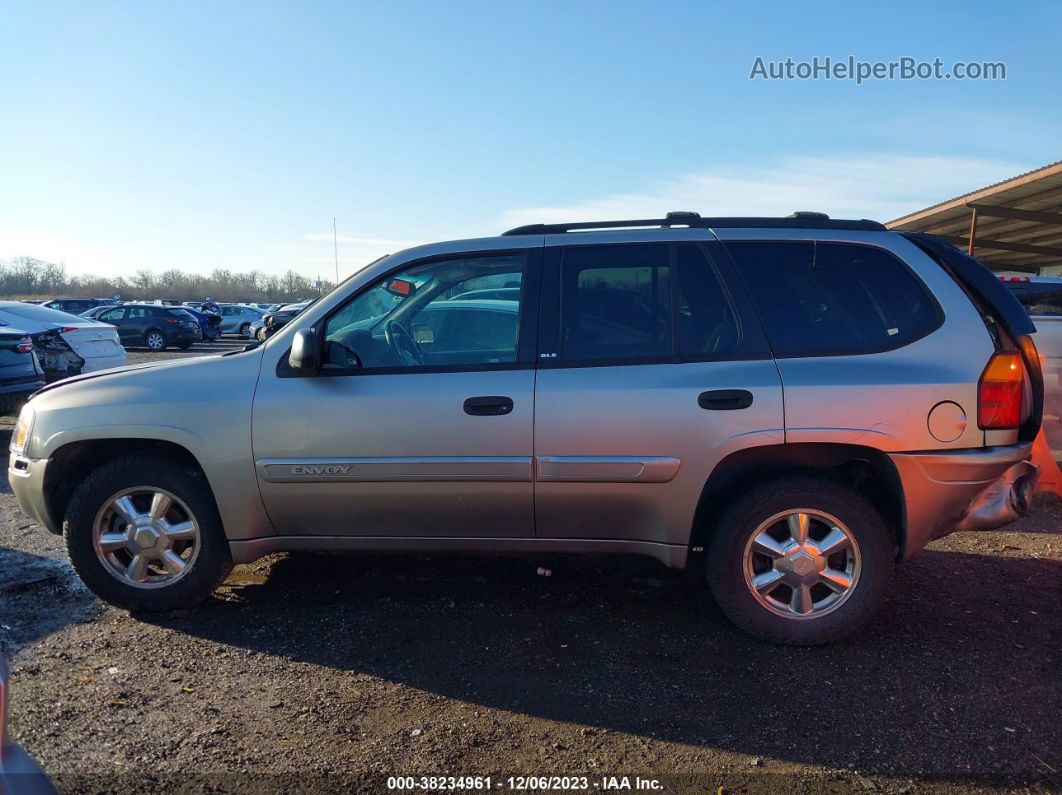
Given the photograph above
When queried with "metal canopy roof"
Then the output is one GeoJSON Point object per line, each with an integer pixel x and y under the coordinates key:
{"type": "Point", "coordinates": [1012, 225]}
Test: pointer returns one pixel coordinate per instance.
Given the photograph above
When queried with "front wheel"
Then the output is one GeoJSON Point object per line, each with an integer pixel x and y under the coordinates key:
{"type": "Point", "coordinates": [245, 330]}
{"type": "Point", "coordinates": [155, 341]}
{"type": "Point", "coordinates": [801, 561]}
{"type": "Point", "coordinates": [143, 533]}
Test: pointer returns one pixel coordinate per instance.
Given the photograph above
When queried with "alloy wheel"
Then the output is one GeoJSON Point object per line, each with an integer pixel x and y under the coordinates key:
{"type": "Point", "coordinates": [155, 341]}
{"type": "Point", "coordinates": [801, 564]}
{"type": "Point", "coordinates": [146, 537]}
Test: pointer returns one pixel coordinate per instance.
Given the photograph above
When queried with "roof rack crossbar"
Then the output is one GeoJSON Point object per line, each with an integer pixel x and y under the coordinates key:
{"type": "Point", "coordinates": [798, 220]}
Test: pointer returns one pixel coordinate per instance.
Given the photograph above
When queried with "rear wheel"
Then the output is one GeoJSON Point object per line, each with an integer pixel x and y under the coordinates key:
{"type": "Point", "coordinates": [143, 533]}
{"type": "Point", "coordinates": [155, 341]}
{"type": "Point", "coordinates": [245, 330]}
{"type": "Point", "coordinates": [801, 561]}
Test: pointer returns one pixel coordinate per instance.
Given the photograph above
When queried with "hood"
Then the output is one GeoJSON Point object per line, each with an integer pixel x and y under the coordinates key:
{"type": "Point", "coordinates": [129, 370]}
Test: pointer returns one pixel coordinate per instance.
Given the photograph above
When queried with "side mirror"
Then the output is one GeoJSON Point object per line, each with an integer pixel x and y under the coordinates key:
{"type": "Point", "coordinates": [305, 350]}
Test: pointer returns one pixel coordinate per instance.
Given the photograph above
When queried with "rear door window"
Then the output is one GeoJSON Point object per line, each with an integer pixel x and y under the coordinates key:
{"type": "Point", "coordinates": [616, 303]}
{"type": "Point", "coordinates": [820, 299]}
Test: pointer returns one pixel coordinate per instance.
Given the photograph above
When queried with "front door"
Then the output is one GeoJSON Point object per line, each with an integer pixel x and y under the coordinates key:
{"type": "Point", "coordinates": [419, 422]}
{"type": "Point", "coordinates": [652, 372]}
{"type": "Point", "coordinates": [116, 317]}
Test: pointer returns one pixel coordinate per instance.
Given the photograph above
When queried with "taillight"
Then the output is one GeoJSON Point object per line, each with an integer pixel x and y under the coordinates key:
{"type": "Point", "coordinates": [999, 392]}
{"type": "Point", "coordinates": [25, 345]}
{"type": "Point", "coordinates": [171, 320]}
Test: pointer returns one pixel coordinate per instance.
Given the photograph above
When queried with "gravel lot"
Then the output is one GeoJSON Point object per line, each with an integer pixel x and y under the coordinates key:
{"type": "Point", "coordinates": [317, 673]}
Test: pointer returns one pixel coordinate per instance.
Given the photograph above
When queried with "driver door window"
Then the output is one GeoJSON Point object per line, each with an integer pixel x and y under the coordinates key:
{"type": "Point", "coordinates": [445, 313]}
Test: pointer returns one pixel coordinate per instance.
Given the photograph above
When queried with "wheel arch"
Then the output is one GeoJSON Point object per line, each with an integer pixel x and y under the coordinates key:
{"type": "Point", "coordinates": [868, 471]}
{"type": "Point", "coordinates": [69, 465]}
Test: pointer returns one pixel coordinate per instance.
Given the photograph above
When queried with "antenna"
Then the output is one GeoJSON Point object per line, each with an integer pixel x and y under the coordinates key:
{"type": "Point", "coordinates": [335, 244]}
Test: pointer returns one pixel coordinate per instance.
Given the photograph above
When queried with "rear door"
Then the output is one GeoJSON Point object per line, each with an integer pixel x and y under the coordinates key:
{"type": "Point", "coordinates": [652, 369]}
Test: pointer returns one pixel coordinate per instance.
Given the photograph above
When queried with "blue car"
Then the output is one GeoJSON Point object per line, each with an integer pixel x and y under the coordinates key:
{"type": "Point", "coordinates": [211, 330]}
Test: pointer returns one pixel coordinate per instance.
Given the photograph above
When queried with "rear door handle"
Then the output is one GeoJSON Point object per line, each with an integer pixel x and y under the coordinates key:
{"type": "Point", "coordinates": [725, 399]}
{"type": "Point", "coordinates": [488, 405]}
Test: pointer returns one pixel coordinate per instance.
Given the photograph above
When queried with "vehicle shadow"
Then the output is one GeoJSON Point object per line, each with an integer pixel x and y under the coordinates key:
{"type": "Point", "coordinates": [963, 660]}
{"type": "Point", "coordinates": [38, 597]}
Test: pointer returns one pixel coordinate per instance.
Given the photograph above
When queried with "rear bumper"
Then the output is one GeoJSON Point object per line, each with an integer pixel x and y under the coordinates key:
{"type": "Point", "coordinates": [978, 489]}
{"type": "Point", "coordinates": [97, 363]}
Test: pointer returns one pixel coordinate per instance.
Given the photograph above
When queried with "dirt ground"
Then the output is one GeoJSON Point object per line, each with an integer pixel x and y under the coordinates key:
{"type": "Point", "coordinates": [317, 673]}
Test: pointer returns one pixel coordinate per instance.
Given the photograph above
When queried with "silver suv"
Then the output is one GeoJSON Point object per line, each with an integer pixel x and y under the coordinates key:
{"type": "Point", "coordinates": [806, 401]}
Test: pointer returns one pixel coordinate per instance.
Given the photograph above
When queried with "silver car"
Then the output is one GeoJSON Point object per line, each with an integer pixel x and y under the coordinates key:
{"type": "Point", "coordinates": [794, 404]}
{"type": "Point", "coordinates": [238, 319]}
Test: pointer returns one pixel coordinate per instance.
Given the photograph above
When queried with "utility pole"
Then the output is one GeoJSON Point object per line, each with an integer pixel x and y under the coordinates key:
{"type": "Point", "coordinates": [335, 244]}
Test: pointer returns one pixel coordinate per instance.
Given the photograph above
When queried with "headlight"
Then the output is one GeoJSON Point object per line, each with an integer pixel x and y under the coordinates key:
{"type": "Point", "coordinates": [20, 438]}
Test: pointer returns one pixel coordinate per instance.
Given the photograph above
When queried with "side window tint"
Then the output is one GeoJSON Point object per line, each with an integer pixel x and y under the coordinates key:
{"type": "Point", "coordinates": [615, 303]}
{"type": "Point", "coordinates": [834, 298]}
{"type": "Point", "coordinates": [137, 312]}
{"type": "Point", "coordinates": [112, 315]}
{"type": "Point", "coordinates": [432, 316]}
{"type": "Point", "coordinates": [704, 318]}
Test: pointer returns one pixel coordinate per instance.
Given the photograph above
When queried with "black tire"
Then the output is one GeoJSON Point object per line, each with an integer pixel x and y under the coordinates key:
{"type": "Point", "coordinates": [245, 330]}
{"type": "Point", "coordinates": [726, 549]}
{"type": "Point", "coordinates": [155, 340]}
{"type": "Point", "coordinates": [211, 566]}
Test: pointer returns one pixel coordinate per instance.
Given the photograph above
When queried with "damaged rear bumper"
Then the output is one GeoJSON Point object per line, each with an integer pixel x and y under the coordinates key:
{"type": "Point", "coordinates": [979, 489]}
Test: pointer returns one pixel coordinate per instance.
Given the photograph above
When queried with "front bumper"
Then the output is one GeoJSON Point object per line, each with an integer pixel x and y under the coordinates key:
{"type": "Point", "coordinates": [978, 489]}
{"type": "Point", "coordinates": [26, 476]}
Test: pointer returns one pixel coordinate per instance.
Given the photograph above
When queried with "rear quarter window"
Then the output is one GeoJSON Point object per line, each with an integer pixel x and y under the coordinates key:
{"type": "Point", "coordinates": [829, 299]}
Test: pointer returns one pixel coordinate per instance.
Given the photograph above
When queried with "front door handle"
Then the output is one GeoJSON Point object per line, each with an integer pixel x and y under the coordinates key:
{"type": "Point", "coordinates": [725, 399]}
{"type": "Point", "coordinates": [488, 405]}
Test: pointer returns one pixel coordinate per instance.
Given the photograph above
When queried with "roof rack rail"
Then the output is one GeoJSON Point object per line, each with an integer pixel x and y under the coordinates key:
{"type": "Point", "coordinates": [798, 220]}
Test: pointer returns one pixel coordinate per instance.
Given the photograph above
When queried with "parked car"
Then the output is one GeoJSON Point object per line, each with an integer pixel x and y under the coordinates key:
{"type": "Point", "coordinates": [77, 306]}
{"type": "Point", "coordinates": [272, 322]}
{"type": "Point", "coordinates": [494, 294]}
{"type": "Point", "coordinates": [19, 774]}
{"type": "Point", "coordinates": [65, 344]}
{"type": "Point", "coordinates": [95, 312]}
{"type": "Point", "coordinates": [807, 401]}
{"type": "Point", "coordinates": [257, 329]}
{"type": "Point", "coordinates": [205, 306]}
{"type": "Point", "coordinates": [20, 372]}
{"type": "Point", "coordinates": [1042, 298]}
{"type": "Point", "coordinates": [209, 323]}
{"type": "Point", "coordinates": [153, 326]}
{"type": "Point", "coordinates": [237, 319]}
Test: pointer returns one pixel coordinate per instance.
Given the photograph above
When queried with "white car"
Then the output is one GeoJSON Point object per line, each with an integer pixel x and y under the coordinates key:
{"type": "Point", "coordinates": [1042, 298]}
{"type": "Point", "coordinates": [65, 344]}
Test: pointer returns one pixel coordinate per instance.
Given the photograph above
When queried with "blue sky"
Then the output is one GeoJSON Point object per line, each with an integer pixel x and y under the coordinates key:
{"type": "Point", "coordinates": [225, 134]}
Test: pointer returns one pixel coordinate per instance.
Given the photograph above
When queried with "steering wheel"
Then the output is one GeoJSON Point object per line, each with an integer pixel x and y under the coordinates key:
{"type": "Point", "coordinates": [403, 344]}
